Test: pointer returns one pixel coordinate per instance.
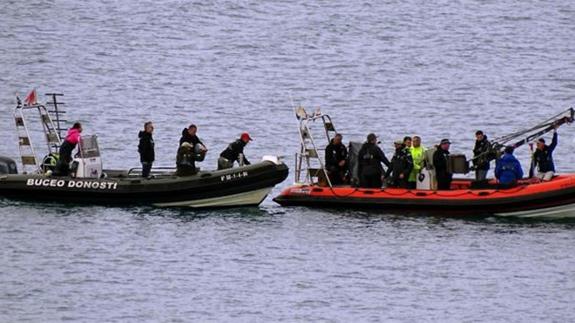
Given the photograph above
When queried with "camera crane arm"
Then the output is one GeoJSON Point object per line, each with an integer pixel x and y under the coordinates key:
{"type": "Point", "coordinates": [527, 135]}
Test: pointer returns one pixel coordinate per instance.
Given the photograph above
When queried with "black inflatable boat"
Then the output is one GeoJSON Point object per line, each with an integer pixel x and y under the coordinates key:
{"type": "Point", "coordinates": [242, 186]}
{"type": "Point", "coordinates": [88, 183]}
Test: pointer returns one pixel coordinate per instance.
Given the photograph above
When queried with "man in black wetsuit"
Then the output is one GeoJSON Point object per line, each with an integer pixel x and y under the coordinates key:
{"type": "Point", "coordinates": [370, 158]}
{"type": "Point", "coordinates": [401, 166]}
{"type": "Point", "coordinates": [336, 160]}
{"type": "Point", "coordinates": [440, 158]}
{"type": "Point", "coordinates": [234, 152]}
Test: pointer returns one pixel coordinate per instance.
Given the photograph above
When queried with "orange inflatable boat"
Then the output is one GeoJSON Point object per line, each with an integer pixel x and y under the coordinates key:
{"type": "Point", "coordinates": [528, 198]}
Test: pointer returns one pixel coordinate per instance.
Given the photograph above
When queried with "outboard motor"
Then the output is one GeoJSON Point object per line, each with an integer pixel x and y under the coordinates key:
{"type": "Point", "coordinates": [7, 166]}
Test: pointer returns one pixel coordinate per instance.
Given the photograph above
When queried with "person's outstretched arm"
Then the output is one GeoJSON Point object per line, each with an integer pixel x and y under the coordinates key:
{"type": "Point", "coordinates": [553, 142]}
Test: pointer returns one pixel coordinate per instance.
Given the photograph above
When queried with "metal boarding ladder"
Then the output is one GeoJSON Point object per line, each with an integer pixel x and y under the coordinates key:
{"type": "Point", "coordinates": [56, 112]}
{"type": "Point", "coordinates": [315, 168]}
{"type": "Point", "coordinates": [29, 158]}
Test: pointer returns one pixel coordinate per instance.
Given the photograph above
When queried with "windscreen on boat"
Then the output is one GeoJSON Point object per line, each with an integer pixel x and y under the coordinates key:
{"type": "Point", "coordinates": [89, 147]}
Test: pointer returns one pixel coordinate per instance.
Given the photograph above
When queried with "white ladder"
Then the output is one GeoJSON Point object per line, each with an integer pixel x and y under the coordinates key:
{"type": "Point", "coordinates": [315, 168]}
{"type": "Point", "coordinates": [30, 161]}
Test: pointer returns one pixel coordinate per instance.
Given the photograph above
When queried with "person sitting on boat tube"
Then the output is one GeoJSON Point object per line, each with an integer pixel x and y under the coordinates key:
{"type": "Point", "coordinates": [336, 160]}
{"type": "Point", "coordinates": [508, 169]}
{"type": "Point", "coordinates": [66, 149]}
{"type": "Point", "coordinates": [440, 158]}
{"type": "Point", "coordinates": [234, 152]}
{"type": "Point", "coordinates": [370, 158]}
{"type": "Point", "coordinates": [543, 158]}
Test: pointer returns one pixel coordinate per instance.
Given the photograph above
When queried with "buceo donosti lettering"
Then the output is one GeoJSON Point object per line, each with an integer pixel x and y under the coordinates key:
{"type": "Point", "coordinates": [47, 182]}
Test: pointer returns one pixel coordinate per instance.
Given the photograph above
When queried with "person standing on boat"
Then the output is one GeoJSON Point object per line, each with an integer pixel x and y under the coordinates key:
{"type": "Point", "coordinates": [440, 158]}
{"type": "Point", "coordinates": [543, 158]}
{"type": "Point", "coordinates": [417, 152]}
{"type": "Point", "coordinates": [336, 160]}
{"type": "Point", "coordinates": [370, 158]}
{"type": "Point", "coordinates": [66, 149]}
{"type": "Point", "coordinates": [401, 166]}
{"type": "Point", "coordinates": [508, 169]}
{"type": "Point", "coordinates": [234, 152]}
{"type": "Point", "coordinates": [481, 156]}
{"type": "Point", "coordinates": [146, 148]}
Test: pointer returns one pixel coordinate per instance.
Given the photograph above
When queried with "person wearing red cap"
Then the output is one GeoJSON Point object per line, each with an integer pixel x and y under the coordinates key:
{"type": "Point", "coordinates": [234, 152]}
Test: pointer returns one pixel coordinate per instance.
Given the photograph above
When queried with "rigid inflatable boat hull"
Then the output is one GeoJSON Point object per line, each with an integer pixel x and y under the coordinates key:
{"type": "Point", "coordinates": [241, 186]}
{"type": "Point", "coordinates": [556, 196]}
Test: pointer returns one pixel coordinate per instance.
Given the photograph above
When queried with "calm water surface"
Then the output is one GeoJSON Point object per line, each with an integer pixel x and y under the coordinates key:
{"type": "Point", "coordinates": [439, 69]}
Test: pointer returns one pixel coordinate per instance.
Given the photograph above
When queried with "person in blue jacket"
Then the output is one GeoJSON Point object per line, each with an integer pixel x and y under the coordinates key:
{"type": "Point", "coordinates": [508, 169]}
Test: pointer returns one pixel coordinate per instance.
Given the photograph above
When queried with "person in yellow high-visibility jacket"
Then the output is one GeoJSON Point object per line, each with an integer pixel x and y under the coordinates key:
{"type": "Point", "coordinates": [417, 154]}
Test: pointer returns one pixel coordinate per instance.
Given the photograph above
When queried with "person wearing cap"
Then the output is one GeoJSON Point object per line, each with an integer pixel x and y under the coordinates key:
{"type": "Point", "coordinates": [482, 156]}
{"type": "Point", "coordinates": [543, 158]}
{"type": "Point", "coordinates": [370, 158]}
{"type": "Point", "coordinates": [401, 165]}
{"type": "Point", "coordinates": [440, 158]}
{"type": "Point", "coordinates": [336, 160]}
{"type": "Point", "coordinates": [417, 152]}
{"type": "Point", "coordinates": [508, 169]}
{"type": "Point", "coordinates": [234, 152]}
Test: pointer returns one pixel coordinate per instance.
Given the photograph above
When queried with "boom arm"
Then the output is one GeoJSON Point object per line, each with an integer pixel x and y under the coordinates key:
{"type": "Point", "coordinates": [528, 135]}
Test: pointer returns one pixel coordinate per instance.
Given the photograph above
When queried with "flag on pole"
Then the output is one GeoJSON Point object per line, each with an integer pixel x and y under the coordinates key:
{"type": "Point", "coordinates": [31, 98]}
